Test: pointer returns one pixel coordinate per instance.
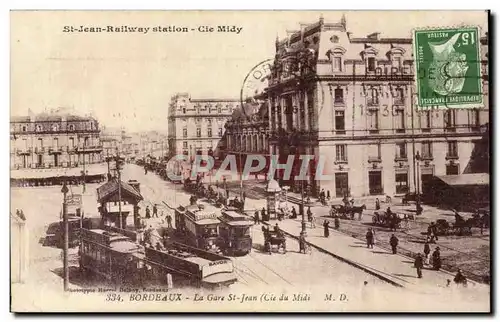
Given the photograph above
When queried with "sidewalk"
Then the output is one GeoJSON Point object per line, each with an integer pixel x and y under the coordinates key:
{"type": "Point", "coordinates": [396, 269]}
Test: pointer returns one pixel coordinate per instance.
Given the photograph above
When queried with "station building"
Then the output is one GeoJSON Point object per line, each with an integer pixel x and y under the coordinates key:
{"type": "Point", "coordinates": [352, 100]}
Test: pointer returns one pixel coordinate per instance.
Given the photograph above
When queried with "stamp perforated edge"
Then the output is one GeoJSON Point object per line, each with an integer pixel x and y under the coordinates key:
{"type": "Point", "coordinates": [414, 52]}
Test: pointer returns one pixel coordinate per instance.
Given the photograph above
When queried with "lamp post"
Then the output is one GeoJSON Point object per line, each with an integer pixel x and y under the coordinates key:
{"type": "Point", "coordinates": [301, 210]}
{"type": "Point", "coordinates": [417, 188]}
{"type": "Point", "coordinates": [64, 191]}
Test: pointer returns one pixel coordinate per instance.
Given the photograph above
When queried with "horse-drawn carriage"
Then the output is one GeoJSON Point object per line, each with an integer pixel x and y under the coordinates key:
{"type": "Point", "coordinates": [273, 238]}
{"type": "Point", "coordinates": [389, 220]}
{"type": "Point", "coordinates": [347, 211]}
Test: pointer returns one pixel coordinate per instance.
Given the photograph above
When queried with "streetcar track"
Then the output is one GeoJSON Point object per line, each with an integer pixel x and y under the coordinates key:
{"type": "Point", "coordinates": [255, 274]}
{"type": "Point", "coordinates": [254, 258]}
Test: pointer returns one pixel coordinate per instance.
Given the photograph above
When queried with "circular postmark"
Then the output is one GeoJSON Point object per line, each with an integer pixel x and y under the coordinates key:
{"type": "Point", "coordinates": [257, 79]}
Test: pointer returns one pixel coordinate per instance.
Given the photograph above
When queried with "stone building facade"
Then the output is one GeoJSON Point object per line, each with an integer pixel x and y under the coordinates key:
{"type": "Point", "coordinates": [54, 140]}
{"type": "Point", "coordinates": [352, 101]}
{"type": "Point", "coordinates": [196, 126]}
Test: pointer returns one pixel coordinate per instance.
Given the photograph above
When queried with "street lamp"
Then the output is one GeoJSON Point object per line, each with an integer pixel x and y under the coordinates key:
{"type": "Point", "coordinates": [301, 210]}
{"type": "Point", "coordinates": [417, 159]}
{"type": "Point", "coordinates": [64, 191]}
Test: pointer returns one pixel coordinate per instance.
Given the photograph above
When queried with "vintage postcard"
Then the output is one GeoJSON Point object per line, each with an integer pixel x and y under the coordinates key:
{"type": "Point", "coordinates": [250, 161]}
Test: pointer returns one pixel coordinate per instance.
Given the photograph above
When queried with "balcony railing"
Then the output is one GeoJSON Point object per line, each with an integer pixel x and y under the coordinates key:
{"type": "Point", "coordinates": [400, 158]}
{"type": "Point", "coordinates": [375, 159]}
{"type": "Point", "coordinates": [452, 156]}
{"type": "Point", "coordinates": [56, 149]}
{"type": "Point", "coordinates": [25, 151]}
{"type": "Point", "coordinates": [39, 150]}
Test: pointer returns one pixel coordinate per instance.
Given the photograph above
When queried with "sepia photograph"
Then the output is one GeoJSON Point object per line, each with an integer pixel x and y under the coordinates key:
{"type": "Point", "coordinates": [250, 161]}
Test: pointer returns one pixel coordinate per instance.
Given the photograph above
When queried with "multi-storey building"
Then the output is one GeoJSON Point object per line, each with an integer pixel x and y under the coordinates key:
{"type": "Point", "coordinates": [195, 126]}
{"type": "Point", "coordinates": [351, 101]}
{"type": "Point", "coordinates": [247, 132]}
{"type": "Point", "coordinates": [55, 140]}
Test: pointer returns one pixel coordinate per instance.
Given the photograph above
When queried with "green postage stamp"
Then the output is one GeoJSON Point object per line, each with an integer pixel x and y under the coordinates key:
{"type": "Point", "coordinates": [448, 67]}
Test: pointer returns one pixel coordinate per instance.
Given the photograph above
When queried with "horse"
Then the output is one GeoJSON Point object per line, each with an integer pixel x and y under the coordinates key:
{"type": "Point", "coordinates": [357, 210]}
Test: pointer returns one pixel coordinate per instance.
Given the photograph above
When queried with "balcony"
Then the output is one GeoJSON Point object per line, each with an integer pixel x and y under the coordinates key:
{"type": "Point", "coordinates": [25, 151]}
{"type": "Point", "coordinates": [450, 129]}
{"type": "Point", "coordinates": [401, 158]}
{"type": "Point", "coordinates": [373, 159]}
{"type": "Point", "coordinates": [39, 150]}
{"type": "Point", "coordinates": [452, 156]}
{"type": "Point", "coordinates": [88, 149]}
{"type": "Point", "coordinates": [341, 161]}
{"type": "Point", "coordinates": [400, 130]}
{"type": "Point", "coordinates": [426, 157]}
{"type": "Point", "coordinates": [56, 150]}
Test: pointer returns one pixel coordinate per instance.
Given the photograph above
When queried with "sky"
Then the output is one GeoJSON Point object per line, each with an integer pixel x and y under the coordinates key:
{"type": "Point", "coordinates": [127, 79]}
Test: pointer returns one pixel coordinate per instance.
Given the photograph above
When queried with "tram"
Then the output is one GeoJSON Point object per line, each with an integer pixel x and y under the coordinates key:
{"type": "Point", "coordinates": [121, 261]}
{"type": "Point", "coordinates": [198, 225]}
{"type": "Point", "coordinates": [235, 231]}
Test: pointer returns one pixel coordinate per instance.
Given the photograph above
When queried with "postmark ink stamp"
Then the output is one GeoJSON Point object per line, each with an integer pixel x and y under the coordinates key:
{"type": "Point", "coordinates": [448, 67]}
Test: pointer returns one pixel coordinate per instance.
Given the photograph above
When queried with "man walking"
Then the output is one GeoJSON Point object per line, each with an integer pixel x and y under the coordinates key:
{"type": "Point", "coordinates": [369, 238]}
{"type": "Point", "coordinates": [394, 243]}
{"type": "Point", "coordinates": [155, 211]}
{"type": "Point", "coordinates": [419, 264]}
{"type": "Point", "coordinates": [169, 221]}
{"type": "Point", "coordinates": [148, 213]}
{"type": "Point", "coordinates": [256, 217]}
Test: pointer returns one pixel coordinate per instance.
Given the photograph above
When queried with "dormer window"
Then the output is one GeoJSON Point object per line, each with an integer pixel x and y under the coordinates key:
{"type": "Point", "coordinates": [370, 64]}
{"type": "Point", "coordinates": [71, 127]}
{"type": "Point", "coordinates": [396, 57]}
{"type": "Point", "coordinates": [335, 55]}
{"type": "Point", "coordinates": [334, 39]}
{"type": "Point", "coordinates": [38, 128]}
{"type": "Point", "coordinates": [24, 128]}
{"type": "Point", "coordinates": [55, 128]}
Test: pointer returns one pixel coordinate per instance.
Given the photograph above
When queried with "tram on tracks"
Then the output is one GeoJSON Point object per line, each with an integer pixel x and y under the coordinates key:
{"type": "Point", "coordinates": [198, 225]}
{"type": "Point", "coordinates": [235, 231]}
{"type": "Point", "coordinates": [119, 260]}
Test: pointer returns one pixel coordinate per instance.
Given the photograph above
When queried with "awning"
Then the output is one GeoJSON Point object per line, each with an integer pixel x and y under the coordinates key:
{"type": "Point", "coordinates": [107, 190]}
{"type": "Point", "coordinates": [469, 179]}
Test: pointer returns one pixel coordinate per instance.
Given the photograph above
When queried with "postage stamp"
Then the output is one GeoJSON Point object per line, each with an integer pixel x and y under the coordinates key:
{"type": "Point", "coordinates": [448, 67]}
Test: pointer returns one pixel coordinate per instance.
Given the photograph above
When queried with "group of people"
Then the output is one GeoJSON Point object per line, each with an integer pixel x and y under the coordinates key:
{"type": "Point", "coordinates": [421, 260]}
{"type": "Point", "coordinates": [20, 214]}
{"type": "Point", "coordinates": [148, 215]}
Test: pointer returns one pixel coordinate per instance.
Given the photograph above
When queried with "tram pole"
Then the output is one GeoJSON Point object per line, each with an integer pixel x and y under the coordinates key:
{"type": "Point", "coordinates": [119, 188]}
{"type": "Point", "coordinates": [64, 191]}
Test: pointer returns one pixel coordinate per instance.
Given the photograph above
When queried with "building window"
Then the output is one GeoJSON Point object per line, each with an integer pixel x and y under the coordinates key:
{"type": "Point", "coordinates": [427, 150]}
{"type": "Point", "coordinates": [337, 64]}
{"type": "Point", "coordinates": [402, 182]}
{"type": "Point", "coordinates": [452, 169]}
{"type": "Point", "coordinates": [397, 62]}
{"type": "Point", "coordinates": [184, 132]}
{"type": "Point", "coordinates": [184, 144]}
{"type": "Point", "coordinates": [38, 128]}
{"type": "Point", "coordinates": [371, 64]}
{"type": "Point", "coordinates": [184, 110]}
{"type": "Point", "coordinates": [374, 152]}
{"type": "Point", "coordinates": [341, 153]}
{"type": "Point", "coordinates": [55, 128]}
{"type": "Point", "coordinates": [399, 98]}
{"type": "Point", "coordinates": [373, 121]}
{"type": "Point", "coordinates": [198, 132]}
{"type": "Point", "coordinates": [209, 121]}
{"type": "Point", "coordinates": [340, 122]}
{"type": "Point", "coordinates": [71, 127]}
{"type": "Point", "coordinates": [373, 99]}
{"type": "Point", "coordinates": [452, 149]}
{"type": "Point", "coordinates": [401, 151]}
{"type": "Point", "coordinates": [220, 132]}
{"type": "Point", "coordinates": [339, 96]}
{"type": "Point", "coordinates": [209, 132]}
{"type": "Point", "coordinates": [474, 119]}
{"type": "Point", "coordinates": [71, 142]}
{"type": "Point", "coordinates": [449, 121]}
{"type": "Point", "coordinates": [56, 143]}
{"type": "Point", "coordinates": [24, 128]}
{"type": "Point", "coordinates": [219, 110]}
{"type": "Point", "coordinates": [425, 121]}
{"type": "Point", "coordinates": [400, 121]}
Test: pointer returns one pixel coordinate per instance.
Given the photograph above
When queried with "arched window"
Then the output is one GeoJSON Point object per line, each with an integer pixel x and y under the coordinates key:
{"type": "Point", "coordinates": [71, 127]}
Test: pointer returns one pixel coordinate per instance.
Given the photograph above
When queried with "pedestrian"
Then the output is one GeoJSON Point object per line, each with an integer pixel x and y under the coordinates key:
{"type": "Point", "coordinates": [377, 204]}
{"type": "Point", "coordinates": [427, 251]}
{"type": "Point", "coordinates": [313, 224]}
{"type": "Point", "coordinates": [369, 238]}
{"type": "Point", "coordinates": [302, 243]}
{"type": "Point", "coordinates": [393, 241]}
{"type": "Point", "coordinates": [276, 228]}
{"type": "Point", "coordinates": [21, 215]}
{"type": "Point", "coordinates": [263, 216]}
{"type": "Point", "coordinates": [436, 259]}
{"type": "Point", "coordinates": [419, 264]}
{"type": "Point", "coordinates": [328, 197]}
{"type": "Point", "coordinates": [256, 217]}
{"type": "Point", "coordinates": [294, 213]}
{"type": "Point", "coordinates": [352, 202]}
{"type": "Point", "coordinates": [148, 214]}
{"type": "Point", "coordinates": [460, 279]}
{"type": "Point", "coordinates": [326, 228]}
{"type": "Point", "coordinates": [337, 223]}
{"type": "Point", "coordinates": [309, 214]}
{"type": "Point", "coordinates": [155, 211]}
{"type": "Point", "coordinates": [169, 221]}
{"type": "Point", "coordinates": [244, 196]}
